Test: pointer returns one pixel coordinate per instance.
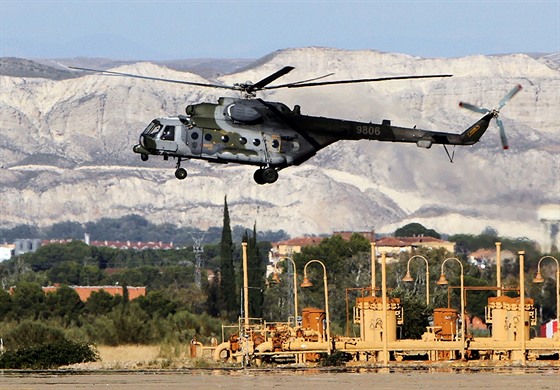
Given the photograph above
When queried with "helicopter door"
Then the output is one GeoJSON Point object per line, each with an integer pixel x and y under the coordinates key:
{"type": "Point", "coordinates": [194, 140]}
{"type": "Point", "coordinates": [167, 139]}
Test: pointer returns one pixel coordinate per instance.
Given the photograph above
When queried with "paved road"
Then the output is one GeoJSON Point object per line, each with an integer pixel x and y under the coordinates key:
{"type": "Point", "coordinates": [542, 379]}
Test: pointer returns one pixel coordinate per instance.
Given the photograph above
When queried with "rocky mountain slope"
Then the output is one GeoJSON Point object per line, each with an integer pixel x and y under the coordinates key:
{"type": "Point", "coordinates": [66, 148]}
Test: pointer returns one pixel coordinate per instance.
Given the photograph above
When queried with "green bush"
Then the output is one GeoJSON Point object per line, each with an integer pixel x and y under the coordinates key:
{"type": "Point", "coordinates": [50, 355]}
{"type": "Point", "coordinates": [29, 333]}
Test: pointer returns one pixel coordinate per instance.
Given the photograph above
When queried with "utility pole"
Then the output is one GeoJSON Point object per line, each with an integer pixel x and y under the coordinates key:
{"type": "Point", "coordinates": [198, 250]}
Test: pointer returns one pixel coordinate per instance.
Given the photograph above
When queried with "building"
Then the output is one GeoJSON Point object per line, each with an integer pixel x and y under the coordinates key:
{"type": "Point", "coordinates": [369, 235]}
{"type": "Point", "coordinates": [394, 246]}
{"type": "Point", "coordinates": [85, 291]}
{"type": "Point", "coordinates": [26, 245]}
{"type": "Point", "coordinates": [31, 245]}
{"type": "Point", "coordinates": [136, 245]}
{"type": "Point", "coordinates": [293, 245]}
{"type": "Point", "coordinates": [7, 251]}
{"type": "Point", "coordinates": [483, 258]}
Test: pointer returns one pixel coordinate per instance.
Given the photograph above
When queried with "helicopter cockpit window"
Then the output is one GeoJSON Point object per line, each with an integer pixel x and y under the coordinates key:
{"type": "Point", "coordinates": [152, 129]}
{"type": "Point", "coordinates": [168, 133]}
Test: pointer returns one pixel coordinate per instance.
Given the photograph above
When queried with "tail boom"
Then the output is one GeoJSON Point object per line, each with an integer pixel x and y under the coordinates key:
{"type": "Point", "coordinates": [472, 135]}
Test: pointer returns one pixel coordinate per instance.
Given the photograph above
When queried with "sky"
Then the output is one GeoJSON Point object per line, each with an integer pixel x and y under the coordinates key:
{"type": "Point", "coordinates": [248, 29]}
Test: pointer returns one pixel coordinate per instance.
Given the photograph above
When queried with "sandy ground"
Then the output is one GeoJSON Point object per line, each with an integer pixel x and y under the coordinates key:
{"type": "Point", "coordinates": [545, 379]}
{"type": "Point", "coordinates": [123, 355]}
{"type": "Point", "coordinates": [147, 367]}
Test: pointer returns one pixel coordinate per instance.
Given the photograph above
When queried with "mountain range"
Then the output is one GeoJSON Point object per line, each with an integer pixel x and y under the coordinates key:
{"type": "Point", "coordinates": [66, 145]}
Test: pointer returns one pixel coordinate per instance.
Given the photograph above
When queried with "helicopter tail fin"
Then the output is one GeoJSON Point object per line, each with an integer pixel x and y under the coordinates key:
{"type": "Point", "coordinates": [472, 134]}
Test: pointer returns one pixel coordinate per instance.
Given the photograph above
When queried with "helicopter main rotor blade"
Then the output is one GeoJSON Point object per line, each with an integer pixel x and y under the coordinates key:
{"type": "Point", "coordinates": [109, 72]}
{"type": "Point", "coordinates": [304, 84]}
{"type": "Point", "coordinates": [269, 79]}
{"type": "Point", "coordinates": [509, 95]}
{"type": "Point", "coordinates": [304, 81]}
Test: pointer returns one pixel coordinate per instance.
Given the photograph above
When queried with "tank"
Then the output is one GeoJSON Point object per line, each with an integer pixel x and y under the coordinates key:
{"type": "Point", "coordinates": [314, 319]}
{"type": "Point", "coordinates": [445, 323]}
{"type": "Point", "coordinates": [503, 313]}
{"type": "Point", "coordinates": [368, 312]}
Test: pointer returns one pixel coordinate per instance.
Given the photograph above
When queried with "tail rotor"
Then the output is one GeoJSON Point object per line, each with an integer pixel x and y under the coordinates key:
{"type": "Point", "coordinates": [496, 112]}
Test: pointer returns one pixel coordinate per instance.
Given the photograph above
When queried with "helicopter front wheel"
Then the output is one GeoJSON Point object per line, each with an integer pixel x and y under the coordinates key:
{"type": "Point", "coordinates": [258, 177]}
{"type": "Point", "coordinates": [181, 173]}
{"type": "Point", "coordinates": [266, 175]}
{"type": "Point", "coordinates": [144, 157]}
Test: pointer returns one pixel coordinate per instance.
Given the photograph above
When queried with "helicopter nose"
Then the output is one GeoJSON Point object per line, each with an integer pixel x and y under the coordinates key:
{"type": "Point", "coordinates": [141, 141]}
{"type": "Point", "coordinates": [147, 142]}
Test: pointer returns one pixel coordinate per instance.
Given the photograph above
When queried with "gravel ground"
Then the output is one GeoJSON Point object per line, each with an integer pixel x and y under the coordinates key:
{"type": "Point", "coordinates": [308, 379]}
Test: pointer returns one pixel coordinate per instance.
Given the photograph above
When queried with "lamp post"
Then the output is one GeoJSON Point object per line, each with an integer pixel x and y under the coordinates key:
{"type": "Point", "coordinates": [384, 303]}
{"type": "Point", "coordinates": [499, 269]}
{"type": "Point", "coordinates": [373, 261]}
{"type": "Point", "coordinates": [443, 281]}
{"type": "Point", "coordinates": [408, 278]}
{"type": "Point", "coordinates": [522, 303]}
{"type": "Point", "coordinates": [307, 283]}
{"type": "Point", "coordinates": [539, 279]}
{"type": "Point", "coordinates": [245, 285]}
{"type": "Point", "coordinates": [277, 279]}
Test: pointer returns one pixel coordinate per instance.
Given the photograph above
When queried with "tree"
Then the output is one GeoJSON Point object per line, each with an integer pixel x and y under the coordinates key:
{"type": "Point", "coordinates": [5, 303]}
{"type": "Point", "coordinates": [228, 291]}
{"type": "Point", "coordinates": [65, 303]}
{"type": "Point", "coordinates": [66, 230]}
{"type": "Point", "coordinates": [28, 301]}
{"type": "Point", "coordinates": [415, 229]}
{"type": "Point", "coordinates": [256, 275]}
{"type": "Point", "coordinates": [99, 303]}
{"type": "Point", "coordinates": [348, 265]}
{"type": "Point", "coordinates": [489, 231]}
{"type": "Point", "coordinates": [67, 272]}
{"type": "Point", "coordinates": [157, 305]}
{"type": "Point", "coordinates": [212, 305]}
{"type": "Point", "coordinates": [416, 314]}
{"type": "Point", "coordinates": [29, 332]}
{"type": "Point", "coordinates": [130, 323]}
{"type": "Point", "coordinates": [49, 256]}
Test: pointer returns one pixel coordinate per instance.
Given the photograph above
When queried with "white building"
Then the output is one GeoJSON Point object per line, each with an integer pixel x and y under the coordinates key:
{"type": "Point", "coordinates": [7, 251]}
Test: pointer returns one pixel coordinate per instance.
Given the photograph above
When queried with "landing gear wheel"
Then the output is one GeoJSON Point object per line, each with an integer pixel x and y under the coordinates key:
{"type": "Point", "coordinates": [269, 175]}
{"type": "Point", "coordinates": [181, 173]}
{"type": "Point", "coordinates": [144, 157]}
{"type": "Point", "coordinates": [258, 177]}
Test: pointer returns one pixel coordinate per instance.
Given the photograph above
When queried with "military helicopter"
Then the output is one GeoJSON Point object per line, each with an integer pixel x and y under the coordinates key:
{"type": "Point", "coordinates": [271, 136]}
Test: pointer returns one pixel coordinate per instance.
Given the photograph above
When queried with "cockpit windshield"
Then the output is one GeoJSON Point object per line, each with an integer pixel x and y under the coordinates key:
{"type": "Point", "coordinates": [153, 128]}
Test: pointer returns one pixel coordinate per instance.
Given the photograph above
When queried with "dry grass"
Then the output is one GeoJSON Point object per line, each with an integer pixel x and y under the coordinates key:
{"type": "Point", "coordinates": [130, 357]}
{"type": "Point", "coordinates": [126, 354]}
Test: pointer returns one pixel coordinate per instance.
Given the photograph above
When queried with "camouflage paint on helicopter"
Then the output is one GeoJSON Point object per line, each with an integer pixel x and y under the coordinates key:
{"type": "Point", "coordinates": [272, 136]}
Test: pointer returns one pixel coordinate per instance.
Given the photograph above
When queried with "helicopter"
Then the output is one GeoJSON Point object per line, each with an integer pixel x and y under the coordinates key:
{"type": "Point", "coordinates": [270, 135]}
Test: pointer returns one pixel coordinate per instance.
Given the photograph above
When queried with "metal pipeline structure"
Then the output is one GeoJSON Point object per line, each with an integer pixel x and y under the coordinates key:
{"type": "Point", "coordinates": [306, 344]}
{"type": "Point", "coordinates": [257, 342]}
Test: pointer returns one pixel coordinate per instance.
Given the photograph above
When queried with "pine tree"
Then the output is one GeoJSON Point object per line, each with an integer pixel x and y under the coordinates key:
{"type": "Point", "coordinates": [256, 275]}
{"type": "Point", "coordinates": [228, 291]}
